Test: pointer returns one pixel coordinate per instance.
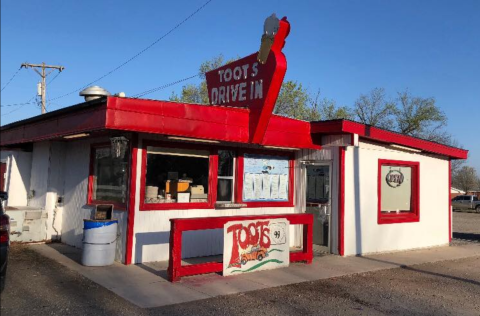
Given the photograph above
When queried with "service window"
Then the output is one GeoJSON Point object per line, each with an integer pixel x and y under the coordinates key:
{"type": "Point", "coordinates": [108, 177]}
{"type": "Point", "coordinates": [398, 189]}
{"type": "Point", "coordinates": [175, 175]}
{"type": "Point", "coordinates": [266, 178]}
{"type": "Point", "coordinates": [225, 178]}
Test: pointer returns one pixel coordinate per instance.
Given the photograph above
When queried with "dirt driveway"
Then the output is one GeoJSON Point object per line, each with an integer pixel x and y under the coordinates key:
{"type": "Point", "coordinates": [466, 227]}
{"type": "Point", "coordinates": [39, 286]}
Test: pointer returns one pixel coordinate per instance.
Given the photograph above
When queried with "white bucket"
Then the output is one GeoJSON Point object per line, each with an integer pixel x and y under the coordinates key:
{"type": "Point", "coordinates": [99, 242]}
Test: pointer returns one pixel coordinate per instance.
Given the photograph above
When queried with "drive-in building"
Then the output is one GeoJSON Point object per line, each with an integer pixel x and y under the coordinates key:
{"type": "Point", "coordinates": [370, 190]}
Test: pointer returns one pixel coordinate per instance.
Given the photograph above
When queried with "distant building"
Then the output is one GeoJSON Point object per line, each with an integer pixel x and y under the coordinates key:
{"type": "Point", "coordinates": [474, 192]}
{"type": "Point", "coordinates": [455, 192]}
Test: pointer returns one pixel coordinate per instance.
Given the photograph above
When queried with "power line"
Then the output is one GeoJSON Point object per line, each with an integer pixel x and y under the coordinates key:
{"type": "Point", "coordinates": [141, 94]}
{"type": "Point", "coordinates": [137, 54]}
{"type": "Point", "coordinates": [55, 77]}
{"type": "Point", "coordinates": [21, 105]}
{"type": "Point", "coordinates": [16, 104]}
{"type": "Point", "coordinates": [43, 74]}
{"type": "Point", "coordinates": [25, 103]}
{"type": "Point", "coordinates": [14, 75]}
{"type": "Point", "coordinates": [138, 95]}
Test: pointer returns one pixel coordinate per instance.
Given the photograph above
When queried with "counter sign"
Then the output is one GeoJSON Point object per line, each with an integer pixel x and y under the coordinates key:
{"type": "Point", "coordinates": [255, 245]}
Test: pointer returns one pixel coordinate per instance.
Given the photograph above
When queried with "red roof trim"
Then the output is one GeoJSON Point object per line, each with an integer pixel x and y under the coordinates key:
{"type": "Point", "coordinates": [204, 122]}
{"type": "Point", "coordinates": [378, 134]}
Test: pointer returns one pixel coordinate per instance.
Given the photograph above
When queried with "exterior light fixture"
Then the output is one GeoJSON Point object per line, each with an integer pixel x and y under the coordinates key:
{"type": "Point", "coordinates": [405, 148]}
{"type": "Point", "coordinates": [282, 148]}
{"type": "Point", "coordinates": [119, 146]}
{"type": "Point", "coordinates": [76, 136]}
{"type": "Point", "coordinates": [194, 139]}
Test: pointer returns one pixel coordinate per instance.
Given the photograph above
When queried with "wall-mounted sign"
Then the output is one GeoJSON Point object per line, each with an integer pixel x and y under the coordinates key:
{"type": "Point", "coordinates": [255, 245]}
{"type": "Point", "coordinates": [396, 188]}
{"type": "Point", "coordinates": [237, 85]}
{"type": "Point", "coordinates": [247, 83]}
{"type": "Point", "coordinates": [265, 178]}
{"type": "Point", "coordinates": [394, 178]}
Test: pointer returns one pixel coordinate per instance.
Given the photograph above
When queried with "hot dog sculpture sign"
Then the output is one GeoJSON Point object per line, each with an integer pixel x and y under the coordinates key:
{"type": "Point", "coordinates": [254, 82]}
{"type": "Point", "coordinates": [255, 245]}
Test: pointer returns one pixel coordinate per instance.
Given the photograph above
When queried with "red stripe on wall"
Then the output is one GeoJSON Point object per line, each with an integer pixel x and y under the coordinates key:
{"type": "Point", "coordinates": [131, 200]}
{"type": "Point", "coordinates": [449, 201]}
{"type": "Point", "coordinates": [341, 202]}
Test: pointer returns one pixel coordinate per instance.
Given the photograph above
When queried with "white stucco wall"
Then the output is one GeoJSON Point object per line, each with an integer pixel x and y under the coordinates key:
{"type": "Point", "coordinates": [362, 232]}
{"type": "Point", "coordinates": [75, 208]}
{"type": "Point", "coordinates": [55, 189]}
{"type": "Point", "coordinates": [17, 182]}
{"type": "Point", "coordinates": [39, 173]}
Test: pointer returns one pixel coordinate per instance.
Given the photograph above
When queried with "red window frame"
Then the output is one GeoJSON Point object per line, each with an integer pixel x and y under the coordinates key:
{"type": "Point", "coordinates": [90, 201]}
{"type": "Point", "coordinates": [239, 178]}
{"type": "Point", "coordinates": [213, 177]}
{"type": "Point", "coordinates": [394, 218]}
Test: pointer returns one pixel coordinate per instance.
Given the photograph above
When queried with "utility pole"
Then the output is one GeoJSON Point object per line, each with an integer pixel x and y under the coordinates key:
{"type": "Point", "coordinates": [44, 75]}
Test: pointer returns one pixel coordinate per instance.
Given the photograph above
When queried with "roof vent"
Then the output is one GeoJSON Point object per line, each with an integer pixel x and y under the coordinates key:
{"type": "Point", "coordinates": [93, 93]}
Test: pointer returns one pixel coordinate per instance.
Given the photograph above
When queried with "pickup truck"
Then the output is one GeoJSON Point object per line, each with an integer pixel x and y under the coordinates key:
{"type": "Point", "coordinates": [466, 202]}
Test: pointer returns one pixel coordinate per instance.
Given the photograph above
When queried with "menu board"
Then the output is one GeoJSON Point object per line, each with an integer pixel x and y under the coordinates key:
{"type": "Point", "coordinates": [265, 178]}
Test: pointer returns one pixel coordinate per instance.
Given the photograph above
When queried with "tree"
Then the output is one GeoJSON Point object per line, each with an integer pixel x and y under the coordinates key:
{"type": "Point", "coordinates": [297, 102]}
{"type": "Point", "coordinates": [420, 117]}
{"type": "Point", "coordinates": [293, 101]}
{"type": "Point", "coordinates": [407, 114]}
{"type": "Point", "coordinates": [327, 109]}
{"type": "Point", "coordinates": [466, 179]}
{"type": "Point", "coordinates": [373, 109]}
{"type": "Point", "coordinates": [198, 93]}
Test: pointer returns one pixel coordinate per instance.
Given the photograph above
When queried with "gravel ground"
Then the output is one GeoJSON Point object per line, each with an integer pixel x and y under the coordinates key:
{"type": "Point", "coordinates": [38, 285]}
{"type": "Point", "coordinates": [466, 227]}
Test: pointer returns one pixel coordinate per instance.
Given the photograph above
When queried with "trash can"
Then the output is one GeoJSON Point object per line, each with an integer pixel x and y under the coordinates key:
{"type": "Point", "coordinates": [99, 242]}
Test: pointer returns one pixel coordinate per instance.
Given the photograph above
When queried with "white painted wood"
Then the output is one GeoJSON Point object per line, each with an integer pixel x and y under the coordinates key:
{"type": "Point", "coordinates": [362, 233]}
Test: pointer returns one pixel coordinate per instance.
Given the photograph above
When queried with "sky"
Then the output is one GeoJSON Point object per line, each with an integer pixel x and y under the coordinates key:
{"type": "Point", "coordinates": [343, 48]}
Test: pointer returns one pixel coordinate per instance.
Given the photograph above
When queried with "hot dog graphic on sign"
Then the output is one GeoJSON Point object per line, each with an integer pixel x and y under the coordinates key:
{"type": "Point", "coordinates": [255, 245]}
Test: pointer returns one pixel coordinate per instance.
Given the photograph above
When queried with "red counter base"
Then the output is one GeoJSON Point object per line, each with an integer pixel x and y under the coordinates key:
{"type": "Point", "coordinates": [179, 225]}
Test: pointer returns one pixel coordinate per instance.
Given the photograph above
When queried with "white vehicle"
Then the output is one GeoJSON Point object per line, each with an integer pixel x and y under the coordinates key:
{"type": "Point", "coordinates": [466, 202]}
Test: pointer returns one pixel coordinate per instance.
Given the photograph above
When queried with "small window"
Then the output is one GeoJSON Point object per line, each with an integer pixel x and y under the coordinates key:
{"type": "Point", "coordinates": [226, 171]}
{"type": "Point", "coordinates": [475, 198]}
{"type": "Point", "coordinates": [175, 175]}
{"type": "Point", "coordinates": [398, 191]}
{"type": "Point", "coordinates": [108, 177]}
